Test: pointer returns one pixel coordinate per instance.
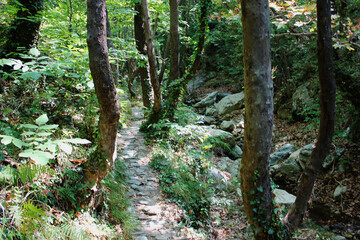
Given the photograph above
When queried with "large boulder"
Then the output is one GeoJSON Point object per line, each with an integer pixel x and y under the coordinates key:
{"type": "Point", "coordinates": [220, 137]}
{"type": "Point", "coordinates": [301, 99]}
{"type": "Point", "coordinates": [230, 103]}
{"type": "Point", "coordinates": [199, 80]}
{"type": "Point", "coordinates": [207, 101]}
{"type": "Point", "coordinates": [210, 111]}
{"type": "Point", "coordinates": [281, 154]}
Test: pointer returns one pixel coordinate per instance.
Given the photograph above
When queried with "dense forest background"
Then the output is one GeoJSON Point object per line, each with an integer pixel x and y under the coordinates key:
{"type": "Point", "coordinates": [179, 61]}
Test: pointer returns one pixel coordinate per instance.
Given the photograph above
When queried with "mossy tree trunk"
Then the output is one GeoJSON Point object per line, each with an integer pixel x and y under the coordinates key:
{"type": "Point", "coordinates": [254, 169]}
{"type": "Point", "coordinates": [327, 117]}
{"type": "Point", "coordinates": [105, 91]}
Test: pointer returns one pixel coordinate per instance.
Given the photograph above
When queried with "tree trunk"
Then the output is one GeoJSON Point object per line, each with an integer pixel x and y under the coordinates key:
{"type": "Point", "coordinates": [141, 47]}
{"type": "Point", "coordinates": [24, 31]}
{"type": "Point", "coordinates": [155, 116]}
{"type": "Point", "coordinates": [254, 169]}
{"type": "Point", "coordinates": [327, 117]}
{"type": "Point", "coordinates": [174, 41]}
{"type": "Point", "coordinates": [175, 89]}
{"type": "Point", "coordinates": [105, 90]}
{"type": "Point", "coordinates": [114, 64]}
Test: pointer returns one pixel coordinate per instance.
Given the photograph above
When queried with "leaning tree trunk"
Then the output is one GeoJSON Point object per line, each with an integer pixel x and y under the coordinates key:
{"type": "Point", "coordinates": [327, 117]}
{"type": "Point", "coordinates": [254, 169]}
{"type": "Point", "coordinates": [25, 29]}
{"type": "Point", "coordinates": [105, 91]}
{"type": "Point", "coordinates": [141, 47]}
{"type": "Point", "coordinates": [155, 116]}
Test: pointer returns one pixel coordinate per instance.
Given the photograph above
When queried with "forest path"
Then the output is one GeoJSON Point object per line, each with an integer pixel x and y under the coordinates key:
{"type": "Point", "coordinates": [158, 219]}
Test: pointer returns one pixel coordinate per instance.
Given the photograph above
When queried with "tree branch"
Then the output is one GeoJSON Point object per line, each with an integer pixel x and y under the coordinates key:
{"type": "Point", "coordinates": [303, 34]}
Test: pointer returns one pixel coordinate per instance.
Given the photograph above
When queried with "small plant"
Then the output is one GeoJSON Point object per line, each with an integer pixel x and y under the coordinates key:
{"type": "Point", "coordinates": [39, 147]}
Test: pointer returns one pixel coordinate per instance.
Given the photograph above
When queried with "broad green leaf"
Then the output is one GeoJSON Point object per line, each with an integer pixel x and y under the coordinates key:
{"type": "Point", "coordinates": [44, 134]}
{"type": "Point", "coordinates": [49, 126]}
{"type": "Point", "coordinates": [43, 119]}
{"type": "Point", "coordinates": [28, 133]}
{"type": "Point", "coordinates": [67, 148]}
{"type": "Point", "coordinates": [31, 75]}
{"type": "Point", "coordinates": [30, 126]}
{"type": "Point", "coordinates": [35, 52]}
{"type": "Point", "coordinates": [40, 157]}
{"type": "Point", "coordinates": [77, 141]}
{"type": "Point", "coordinates": [26, 153]}
{"type": "Point", "coordinates": [18, 142]}
{"type": "Point", "coordinates": [6, 139]}
{"type": "Point", "coordinates": [8, 62]}
{"type": "Point", "coordinates": [25, 68]}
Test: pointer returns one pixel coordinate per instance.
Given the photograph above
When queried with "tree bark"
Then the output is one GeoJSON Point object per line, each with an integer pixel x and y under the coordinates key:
{"type": "Point", "coordinates": [155, 116]}
{"type": "Point", "coordinates": [114, 64]}
{"type": "Point", "coordinates": [105, 91]}
{"type": "Point", "coordinates": [174, 41]}
{"type": "Point", "coordinates": [141, 47]}
{"type": "Point", "coordinates": [254, 169]}
{"type": "Point", "coordinates": [327, 117]}
{"type": "Point", "coordinates": [24, 31]}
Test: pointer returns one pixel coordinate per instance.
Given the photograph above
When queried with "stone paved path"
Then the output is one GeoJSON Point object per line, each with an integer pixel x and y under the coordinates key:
{"type": "Point", "coordinates": [157, 218]}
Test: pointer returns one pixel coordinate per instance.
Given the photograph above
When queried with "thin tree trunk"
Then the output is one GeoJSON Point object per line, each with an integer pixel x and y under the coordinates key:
{"type": "Point", "coordinates": [105, 90]}
{"type": "Point", "coordinates": [327, 117]}
{"type": "Point", "coordinates": [141, 47]}
{"type": "Point", "coordinates": [114, 64]}
{"type": "Point", "coordinates": [165, 58]}
{"type": "Point", "coordinates": [175, 90]}
{"type": "Point", "coordinates": [174, 41]}
{"type": "Point", "coordinates": [152, 66]}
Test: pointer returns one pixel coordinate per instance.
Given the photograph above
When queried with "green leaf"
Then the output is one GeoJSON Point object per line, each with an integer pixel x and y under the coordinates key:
{"type": "Point", "coordinates": [31, 75]}
{"type": "Point", "coordinates": [77, 141]}
{"type": "Point", "coordinates": [6, 139]}
{"type": "Point", "coordinates": [35, 52]}
{"type": "Point", "coordinates": [28, 133]}
{"type": "Point", "coordinates": [49, 126]}
{"type": "Point", "coordinates": [67, 148]}
{"type": "Point", "coordinates": [43, 119]}
{"type": "Point", "coordinates": [40, 157]}
{"type": "Point", "coordinates": [18, 64]}
{"type": "Point", "coordinates": [8, 62]}
{"type": "Point", "coordinates": [30, 126]}
{"type": "Point", "coordinates": [44, 134]}
{"type": "Point", "coordinates": [26, 153]}
{"type": "Point", "coordinates": [18, 142]}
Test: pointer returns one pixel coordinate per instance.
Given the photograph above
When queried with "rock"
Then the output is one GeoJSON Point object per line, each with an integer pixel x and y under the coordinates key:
{"type": "Point", "coordinates": [331, 158]}
{"type": "Point", "coordinates": [207, 101]}
{"type": "Point", "coordinates": [230, 166]}
{"type": "Point", "coordinates": [219, 137]}
{"type": "Point", "coordinates": [283, 198]}
{"type": "Point", "coordinates": [301, 99]}
{"type": "Point", "coordinates": [236, 152]}
{"type": "Point", "coordinates": [218, 177]}
{"type": "Point", "coordinates": [337, 238]}
{"type": "Point", "coordinates": [304, 155]}
{"type": "Point", "coordinates": [228, 126]}
{"type": "Point", "coordinates": [339, 190]}
{"type": "Point", "coordinates": [199, 80]}
{"type": "Point", "coordinates": [281, 154]}
{"type": "Point", "coordinates": [141, 238]}
{"type": "Point", "coordinates": [289, 169]}
{"type": "Point", "coordinates": [209, 120]}
{"type": "Point", "coordinates": [221, 96]}
{"type": "Point", "coordinates": [210, 111]}
{"type": "Point", "coordinates": [230, 103]}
